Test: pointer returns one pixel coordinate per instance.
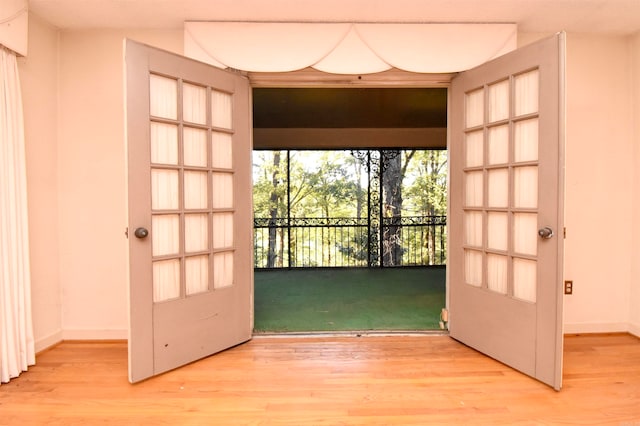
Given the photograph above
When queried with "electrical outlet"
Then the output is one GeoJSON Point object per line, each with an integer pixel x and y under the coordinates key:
{"type": "Point", "coordinates": [568, 287]}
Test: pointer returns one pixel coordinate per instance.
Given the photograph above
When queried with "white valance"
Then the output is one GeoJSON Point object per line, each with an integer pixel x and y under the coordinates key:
{"type": "Point", "coordinates": [14, 19]}
{"type": "Point", "coordinates": [347, 48]}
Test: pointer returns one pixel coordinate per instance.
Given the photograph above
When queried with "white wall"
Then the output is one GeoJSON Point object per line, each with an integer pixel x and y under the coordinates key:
{"type": "Point", "coordinates": [91, 163]}
{"type": "Point", "coordinates": [38, 78]}
{"type": "Point", "coordinates": [602, 249]}
{"type": "Point", "coordinates": [599, 178]}
{"type": "Point", "coordinates": [74, 124]}
{"type": "Point", "coordinates": [634, 298]}
{"type": "Point", "coordinates": [84, 168]}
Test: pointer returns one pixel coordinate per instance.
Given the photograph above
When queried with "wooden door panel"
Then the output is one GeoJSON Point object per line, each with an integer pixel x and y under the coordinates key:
{"type": "Point", "coordinates": [188, 129]}
{"type": "Point", "coordinates": [507, 153]}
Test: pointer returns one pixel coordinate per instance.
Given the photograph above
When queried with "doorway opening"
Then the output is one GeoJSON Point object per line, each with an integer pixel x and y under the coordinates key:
{"type": "Point", "coordinates": [349, 208]}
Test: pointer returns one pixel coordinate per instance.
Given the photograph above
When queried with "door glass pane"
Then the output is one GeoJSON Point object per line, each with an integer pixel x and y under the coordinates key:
{"type": "Point", "coordinates": [474, 108]}
{"type": "Point", "coordinates": [163, 97]}
{"type": "Point", "coordinates": [222, 230]}
{"type": "Point", "coordinates": [473, 189]}
{"type": "Point", "coordinates": [473, 267]}
{"type": "Point", "coordinates": [526, 140]}
{"type": "Point", "coordinates": [526, 93]}
{"type": "Point", "coordinates": [196, 271]}
{"type": "Point", "coordinates": [497, 273]}
{"type": "Point", "coordinates": [473, 229]}
{"type": "Point", "coordinates": [498, 182]}
{"type": "Point", "coordinates": [222, 150]}
{"type": "Point", "coordinates": [525, 233]}
{"type": "Point", "coordinates": [164, 189]}
{"type": "Point", "coordinates": [164, 143]}
{"type": "Point", "coordinates": [221, 109]}
{"type": "Point", "coordinates": [166, 280]}
{"type": "Point", "coordinates": [195, 190]}
{"type": "Point", "coordinates": [194, 103]}
{"type": "Point", "coordinates": [499, 101]}
{"type": "Point", "coordinates": [525, 182]}
{"type": "Point", "coordinates": [222, 190]}
{"type": "Point", "coordinates": [474, 149]}
{"type": "Point", "coordinates": [195, 147]}
{"type": "Point", "coordinates": [222, 269]}
{"type": "Point", "coordinates": [165, 234]}
{"type": "Point", "coordinates": [196, 232]}
{"type": "Point", "coordinates": [499, 144]}
{"type": "Point", "coordinates": [524, 279]}
{"type": "Point", "coordinates": [497, 230]}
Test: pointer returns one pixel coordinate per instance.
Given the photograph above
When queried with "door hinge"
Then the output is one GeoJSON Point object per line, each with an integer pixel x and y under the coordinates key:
{"type": "Point", "coordinates": [564, 232]}
{"type": "Point", "coordinates": [126, 232]}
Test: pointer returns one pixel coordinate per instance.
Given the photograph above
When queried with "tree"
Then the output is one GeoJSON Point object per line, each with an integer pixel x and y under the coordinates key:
{"type": "Point", "coordinates": [328, 193]}
{"type": "Point", "coordinates": [358, 160]}
{"type": "Point", "coordinates": [428, 193]}
{"type": "Point", "coordinates": [274, 199]}
{"type": "Point", "coordinates": [269, 197]}
{"type": "Point", "coordinates": [393, 173]}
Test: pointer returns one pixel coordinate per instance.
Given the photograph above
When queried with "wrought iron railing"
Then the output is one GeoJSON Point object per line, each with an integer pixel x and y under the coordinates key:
{"type": "Point", "coordinates": [349, 242]}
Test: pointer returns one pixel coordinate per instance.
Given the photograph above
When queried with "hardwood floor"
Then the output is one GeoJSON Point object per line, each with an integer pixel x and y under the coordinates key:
{"type": "Point", "coordinates": [329, 381]}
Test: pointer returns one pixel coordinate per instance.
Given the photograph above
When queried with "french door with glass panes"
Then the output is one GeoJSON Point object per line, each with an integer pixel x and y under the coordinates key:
{"type": "Point", "coordinates": [190, 210]}
{"type": "Point", "coordinates": [506, 199]}
{"type": "Point", "coordinates": [190, 214]}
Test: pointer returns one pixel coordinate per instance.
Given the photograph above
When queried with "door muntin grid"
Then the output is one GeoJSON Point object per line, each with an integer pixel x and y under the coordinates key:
{"type": "Point", "coordinates": [192, 175]}
{"type": "Point", "coordinates": [500, 195]}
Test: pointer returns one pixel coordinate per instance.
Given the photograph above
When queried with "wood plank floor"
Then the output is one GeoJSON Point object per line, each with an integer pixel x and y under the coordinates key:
{"type": "Point", "coordinates": [329, 381]}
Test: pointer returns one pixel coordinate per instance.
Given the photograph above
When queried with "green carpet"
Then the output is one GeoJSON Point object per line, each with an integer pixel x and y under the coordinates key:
{"type": "Point", "coordinates": [302, 300]}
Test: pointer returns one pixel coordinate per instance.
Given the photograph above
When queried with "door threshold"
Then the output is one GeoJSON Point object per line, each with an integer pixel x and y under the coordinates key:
{"type": "Point", "coordinates": [355, 333]}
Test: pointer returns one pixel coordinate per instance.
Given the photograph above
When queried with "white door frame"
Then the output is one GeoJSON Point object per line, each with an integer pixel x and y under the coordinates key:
{"type": "Point", "coordinates": [395, 78]}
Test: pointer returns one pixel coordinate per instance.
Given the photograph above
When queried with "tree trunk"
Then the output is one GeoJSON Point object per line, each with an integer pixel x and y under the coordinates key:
{"type": "Point", "coordinates": [392, 207]}
{"type": "Point", "coordinates": [432, 210]}
{"type": "Point", "coordinates": [273, 212]}
{"type": "Point", "coordinates": [359, 191]}
{"type": "Point", "coordinates": [393, 172]}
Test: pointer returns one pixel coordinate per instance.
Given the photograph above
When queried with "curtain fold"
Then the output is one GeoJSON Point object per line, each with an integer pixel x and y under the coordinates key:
{"type": "Point", "coordinates": [263, 46]}
{"type": "Point", "coordinates": [17, 349]}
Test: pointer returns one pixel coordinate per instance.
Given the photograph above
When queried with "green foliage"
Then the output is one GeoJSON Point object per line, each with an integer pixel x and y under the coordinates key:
{"type": "Point", "coordinates": [263, 183]}
{"type": "Point", "coordinates": [426, 184]}
{"type": "Point", "coordinates": [323, 184]}
{"type": "Point", "coordinates": [334, 184]}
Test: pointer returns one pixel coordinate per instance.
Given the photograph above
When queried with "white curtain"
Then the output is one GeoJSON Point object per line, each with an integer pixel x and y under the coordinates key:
{"type": "Point", "coordinates": [17, 350]}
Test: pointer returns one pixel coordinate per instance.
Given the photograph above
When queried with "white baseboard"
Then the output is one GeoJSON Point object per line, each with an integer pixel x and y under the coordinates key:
{"type": "Point", "coordinates": [81, 334]}
{"type": "Point", "coordinates": [46, 342]}
{"type": "Point", "coordinates": [123, 334]}
{"type": "Point", "coordinates": [614, 327]}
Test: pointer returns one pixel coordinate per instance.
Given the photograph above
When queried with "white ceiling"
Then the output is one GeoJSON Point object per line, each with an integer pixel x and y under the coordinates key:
{"type": "Point", "coordinates": [600, 16]}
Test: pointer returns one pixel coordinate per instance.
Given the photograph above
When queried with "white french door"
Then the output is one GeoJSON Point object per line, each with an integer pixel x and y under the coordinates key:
{"type": "Point", "coordinates": [506, 209]}
{"type": "Point", "coordinates": [190, 210]}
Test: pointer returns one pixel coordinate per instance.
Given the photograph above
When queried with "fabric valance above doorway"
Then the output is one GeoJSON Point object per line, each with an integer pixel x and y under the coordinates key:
{"type": "Point", "coordinates": [347, 48]}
